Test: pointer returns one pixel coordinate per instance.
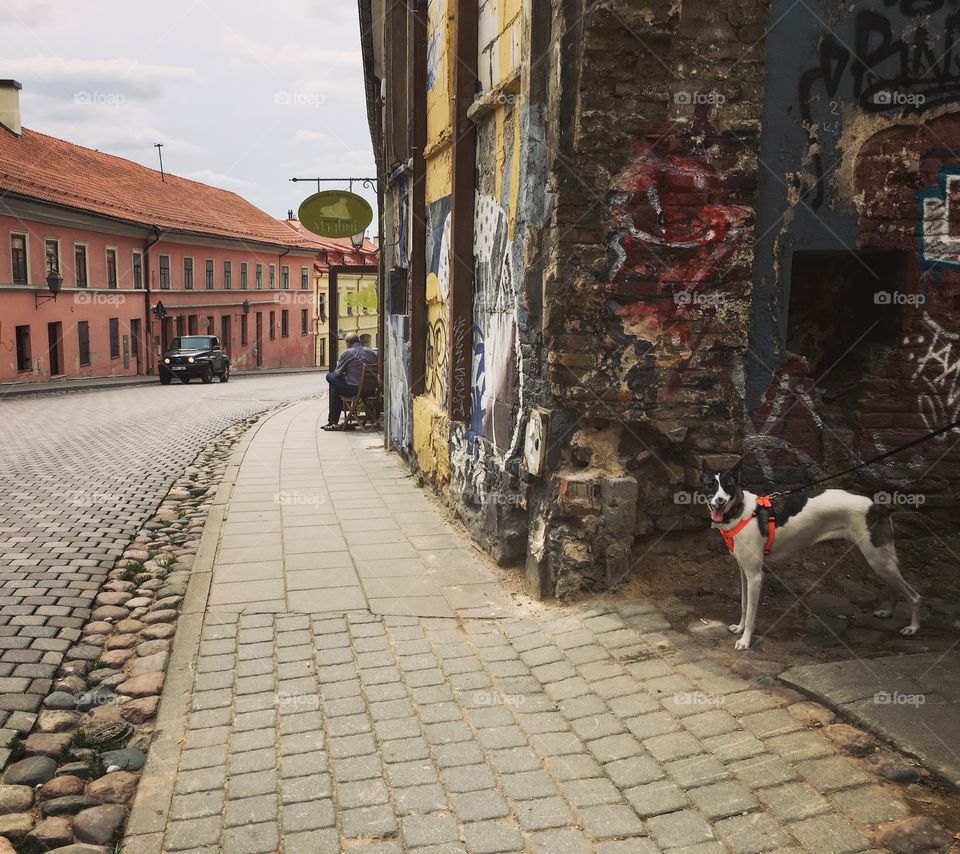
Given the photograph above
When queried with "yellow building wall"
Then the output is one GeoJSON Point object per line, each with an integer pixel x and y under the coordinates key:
{"type": "Point", "coordinates": [430, 423]}
{"type": "Point", "coordinates": [358, 310]}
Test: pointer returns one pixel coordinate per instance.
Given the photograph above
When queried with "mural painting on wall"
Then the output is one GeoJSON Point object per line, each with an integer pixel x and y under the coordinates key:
{"type": "Point", "coordinates": [400, 423]}
{"type": "Point", "coordinates": [897, 57]}
{"type": "Point", "coordinates": [939, 242]}
{"type": "Point", "coordinates": [438, 293]}
{"type": "Point", "coordinates": [494, 411]}
{"type": "Point", "coordinates": [937, 361]}
{"type": "Point", "coordinates": [436, 12]}
{"type": "Point", "coordinates": [675, 238]}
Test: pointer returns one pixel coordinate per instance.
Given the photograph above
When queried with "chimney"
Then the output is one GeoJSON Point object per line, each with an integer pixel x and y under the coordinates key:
{"type": "Point", "coordinates": [289, 213]}
{"type": "Point", "coordinates": [10, 105]}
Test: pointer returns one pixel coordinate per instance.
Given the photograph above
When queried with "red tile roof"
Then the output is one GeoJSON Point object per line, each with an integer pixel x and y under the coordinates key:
{"type": "Point", "coordinates": [50, 170]}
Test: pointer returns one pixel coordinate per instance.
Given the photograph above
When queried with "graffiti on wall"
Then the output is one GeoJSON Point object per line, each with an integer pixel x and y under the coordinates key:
{"type": "Point", "coordinates": [904, 64]}
{"type": "Point", "coordinates": [438, 293]}
{"type": "Point", "coordinates": [939, 242]}
{"type": "Point", "coordinates": [400, 425]}
{"type": "Point", "coordinates": [938, 372]}
{"type": "Point", "coordinates": [494, 413]}
{"type": "Point", "coordinates": [674, 243]}
{"type": "Point", "coordinates": [436, 13]}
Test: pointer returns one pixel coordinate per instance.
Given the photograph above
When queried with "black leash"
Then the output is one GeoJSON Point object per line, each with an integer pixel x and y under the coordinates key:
{"type": "Point", "coordinates": [878, 459]}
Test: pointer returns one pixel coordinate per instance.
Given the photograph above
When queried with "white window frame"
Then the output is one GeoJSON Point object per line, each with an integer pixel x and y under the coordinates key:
{"type": "Point", "coordinates": [133, 268]}
{"type": "Point", "coordinates": [193, 273]}
{"type": "Point", "coordinates": [59, 255]}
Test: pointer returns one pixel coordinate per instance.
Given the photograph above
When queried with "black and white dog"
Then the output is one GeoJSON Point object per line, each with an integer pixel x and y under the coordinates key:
{"type": "Point", "coordinates": [800, 520]}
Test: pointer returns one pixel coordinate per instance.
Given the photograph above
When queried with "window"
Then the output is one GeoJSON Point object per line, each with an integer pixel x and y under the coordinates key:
{"type": "Point", "coordinates": [111, 267]}
{"type": "Point", "coordinates": [83, 341]}
{"type": "Point", "coordinates": [227, 275]}
{"type": "Point", "coordinates": [18, 258]}
{"type": "Point", "coordinates": [179, 326]}
{"type": "Point", "coordinates": [304, 322]}
{"type": "Point", "coordinates": [188, 274]}
{"type": "Point", "coordinates": [273, 325]}
{"type": "Point", "coordinates": [285, 277]}
{"type": "Point", "coordinates": [243, 275]}
{"type": "Point", "coordinates": [164, 272]}
{"type": "Point", "coordinates": [259, 281]}
{"type": "Point", "coordinates": [80, 265]}
{"type": "Point", "coordinates": [23, 348]}
{"type": "Point", "coordinates": [304, 278]}
{"type": "Point", "coordinates": [51, 249]}
{"type": "Point", "coordinates": [114, 338]}
{"type": "Point", "coordinates": [284, 324]}
{"type": "Point", "coordinates": [322, 306]}
{"type": "Point", "coordinates": [243, 330]}
{"type": "Point", "coordinates": [273, 276]}
{"type": "Point", "coordinates": [209, 275]}
{"type": "Point", "coordinates": [138, 271]}
{"type": "Point", "coordinates": [192, 324]}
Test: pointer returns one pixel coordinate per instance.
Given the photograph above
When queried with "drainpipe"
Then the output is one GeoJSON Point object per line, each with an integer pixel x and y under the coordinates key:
{"type": "Point", "coordinates": [148, 316]}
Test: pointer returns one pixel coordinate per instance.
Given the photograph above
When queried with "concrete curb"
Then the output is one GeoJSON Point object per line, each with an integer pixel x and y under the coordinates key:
{"type": "Point", "coordinates": [14, 390]}
{"type": "Point", "coordinates": [148, 816]}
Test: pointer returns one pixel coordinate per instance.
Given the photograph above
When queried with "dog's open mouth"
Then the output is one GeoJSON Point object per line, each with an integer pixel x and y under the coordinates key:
{"type": "Point", "coordinates": [716, 515]}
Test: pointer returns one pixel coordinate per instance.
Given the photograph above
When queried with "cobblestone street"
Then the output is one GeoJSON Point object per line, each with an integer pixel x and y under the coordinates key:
{"type": "Point", "coordinates": [348, 675]}
{"type": "Point", "coordinates": [79, 475]}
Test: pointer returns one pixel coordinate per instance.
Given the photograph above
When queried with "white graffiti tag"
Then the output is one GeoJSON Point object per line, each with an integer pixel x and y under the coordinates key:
{"type": "Point", "coordinates": [938, 245]}
{"type": "Point", "coordinates": [938, 371]}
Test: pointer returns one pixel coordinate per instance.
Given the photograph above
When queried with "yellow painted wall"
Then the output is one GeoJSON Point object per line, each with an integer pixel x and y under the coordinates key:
{"type": "Point", "coordinates": [430, 423]}
{"type": "Point", "coordinates": [358, 310]}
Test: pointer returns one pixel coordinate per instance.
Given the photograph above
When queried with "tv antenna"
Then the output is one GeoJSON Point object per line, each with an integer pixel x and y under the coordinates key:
{"type": "Point", "coordinates": [159, 147]}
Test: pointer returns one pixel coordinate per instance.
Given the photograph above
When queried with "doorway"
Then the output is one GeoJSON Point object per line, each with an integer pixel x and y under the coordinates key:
{"type": "Point", "coordinates": [258, 341]}
{"type": "Point", "coordinates": [55, 343]}
{"type": "Point", "coordinates": [135, 343]}
{"type": "Point", "coordinates": [226, 333]}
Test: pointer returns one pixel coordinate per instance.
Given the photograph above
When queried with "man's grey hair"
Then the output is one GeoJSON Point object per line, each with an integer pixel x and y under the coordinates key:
{"type": "Point", "coordinates": [351, 339]}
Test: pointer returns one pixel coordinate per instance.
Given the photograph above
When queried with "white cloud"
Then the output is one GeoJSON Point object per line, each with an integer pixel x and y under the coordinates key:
{"type": "Point", "coordinates": [26, 13]}
{"type": "Point", "coordinates": [314, 137]}
{"type": "Point", "coordinates": [216, 179]}
{"type": "Point", "coordinates": [105, 78]}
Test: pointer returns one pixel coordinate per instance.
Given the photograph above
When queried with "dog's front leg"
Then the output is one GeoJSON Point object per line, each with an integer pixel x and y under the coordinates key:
{"type": "Point", "coordinates": [737, 628]}
{"type": "Point", "coordinates": [753, 579]}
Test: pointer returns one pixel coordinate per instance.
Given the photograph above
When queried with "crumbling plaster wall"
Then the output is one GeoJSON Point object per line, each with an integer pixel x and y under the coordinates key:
{"type": "Point", "coordinates": [654, 166]}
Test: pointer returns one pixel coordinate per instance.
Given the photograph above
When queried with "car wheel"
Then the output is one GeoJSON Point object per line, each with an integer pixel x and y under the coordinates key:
{"type": "Point", "coordinates": [185, 379]}
{"type": "Point", "coordinates": [207, 375]}
{"type": "Point", "coordinates": [165, 379]}
{"type": "Point", "coordinates": [225, 374]}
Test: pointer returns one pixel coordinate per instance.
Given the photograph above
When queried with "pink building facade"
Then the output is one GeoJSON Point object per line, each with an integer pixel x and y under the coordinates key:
{"type": "Point", "coordinates": [121, 238]}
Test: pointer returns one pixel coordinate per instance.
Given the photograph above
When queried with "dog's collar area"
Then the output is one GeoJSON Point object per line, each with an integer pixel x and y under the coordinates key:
{"type": "Point", "coordinates": [762, 501]}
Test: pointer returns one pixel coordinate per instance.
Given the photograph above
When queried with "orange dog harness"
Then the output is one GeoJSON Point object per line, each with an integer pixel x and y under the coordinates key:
{"type": "Point", "coordinates": [762, 501]}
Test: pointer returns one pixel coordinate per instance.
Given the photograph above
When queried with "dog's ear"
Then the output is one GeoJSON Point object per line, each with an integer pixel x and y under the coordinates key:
{"type": "Point", "coordinates": [734, 471]}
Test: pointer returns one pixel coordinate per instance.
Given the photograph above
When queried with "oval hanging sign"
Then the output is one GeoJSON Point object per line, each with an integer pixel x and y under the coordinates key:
{"type": "Point", "coordinates": [335, 213]}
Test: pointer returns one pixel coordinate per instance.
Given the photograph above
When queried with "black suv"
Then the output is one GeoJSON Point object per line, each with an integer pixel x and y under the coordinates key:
{"type": "Point", "coordinates": [194, 356]}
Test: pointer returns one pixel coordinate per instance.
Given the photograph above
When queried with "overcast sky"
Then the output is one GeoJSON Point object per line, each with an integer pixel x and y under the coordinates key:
{"type": "Point", "coordinates": [243, 95]}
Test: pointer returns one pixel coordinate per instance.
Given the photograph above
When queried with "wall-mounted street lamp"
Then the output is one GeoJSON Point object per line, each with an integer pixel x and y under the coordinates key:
{"type": "Point", "coordinates": [357, 240]}
{"type": "Point", "coordinates": [245, 305]}
{"type": "Point", "coordinates": [54, 283]}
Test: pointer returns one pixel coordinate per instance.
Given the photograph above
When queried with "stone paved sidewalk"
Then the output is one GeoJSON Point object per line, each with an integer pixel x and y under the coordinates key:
{"type": "Point", "coordinates": [348, 676]}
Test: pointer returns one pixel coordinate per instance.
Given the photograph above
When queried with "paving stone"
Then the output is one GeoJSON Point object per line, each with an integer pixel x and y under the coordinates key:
{"type": "Point", "coordinates": [831, 774]}
{"type": "Point", "coordinates": [490, 837]}
{"type": "Point", "coordinates": [543, 813]}
{"type": "Point", "coordinates": [870, 805]}
{"type": "Point", "coordinates": [422, 830]}
{"type": "Point", "coordinates": [425, 798]}
{"type": "Point", "coordinates": [375, 821]}
{"type": "Point", "coordinates": [314, 815]}
{"type": "Point", "coordinates": [751, 834]}
{"type": "Point", "coordinates": [829, 834]}
{"type": "Point", "coordinates": [610, 820]}
{"type": "Point", "coordinates": [721, 800]}
{"type": "Point", "coordinates": [656, 798]}
{"type": "Point", "coordinates": [262, 838]}
{"type": "Point", "coordinates": [793, 801]}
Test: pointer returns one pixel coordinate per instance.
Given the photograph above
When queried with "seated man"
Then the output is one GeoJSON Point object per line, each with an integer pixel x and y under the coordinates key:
{"type": "Point", "coordinates": [345, 378]}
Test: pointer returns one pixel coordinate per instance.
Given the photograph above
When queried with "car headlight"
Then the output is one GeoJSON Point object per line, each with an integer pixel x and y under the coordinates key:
{"type": "Point", "coordinates": [190, 359]}
{"type": "Point", "coordinates": [166, 361]}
